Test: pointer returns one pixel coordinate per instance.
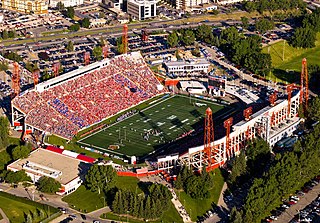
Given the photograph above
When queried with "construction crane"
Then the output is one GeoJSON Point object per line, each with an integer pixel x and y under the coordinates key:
{"type": "Point", "coordinates": [86, 58]}
{"type": "Point", "coordinates": [35, 75]}
{"type": "Point", "coordinates": [15, 79]}
{"type": "Point", "coordinates": [208, 136]}
{"type": "Point", "coordinates": [125, 38]}
{"type": "Point", "coordinates": [227, 124]}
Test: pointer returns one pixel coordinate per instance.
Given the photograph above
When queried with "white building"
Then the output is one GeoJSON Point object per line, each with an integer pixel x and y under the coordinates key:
{"type": "Point", "coordinates": [225, 2]}
{"type": "Point", "coordinates": [142, 9]}
{"type": "Point", "coordinates": [193, 87]}
{"type": "Point", "coordinates": [1, 18]}
{"type": "Point", "coordinates": [66, 3]}
{"type": "Point", "coordinates": [65, 166]}
{"type": "Point", "coordinates": [187, 66]}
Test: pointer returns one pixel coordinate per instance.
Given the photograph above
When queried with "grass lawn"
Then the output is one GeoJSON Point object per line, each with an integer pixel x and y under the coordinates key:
{"type": "Point", "coordinates": [171, 215]}
{"type": "Point", "coordinates": [170, 117]}
{"type": "Point", "coordinates": [84, 200]}
{"type": "Point", "coordinates": [288, 70]}
{"type": "Point", "coordinates": [15, 208]}
{"type": "Point", "coordinates": [198, 207]}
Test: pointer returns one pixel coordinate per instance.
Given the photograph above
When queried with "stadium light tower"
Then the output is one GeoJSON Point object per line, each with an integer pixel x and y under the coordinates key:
{"type": "Point", "coordinates": [304, 88]}
{"type": "Point", "coordinates": [227, 124]}
{"type": "Point", "coordinates": [273, 98]}
{"type": "Point", "coordinates": [247, 112]}
{"type": "Point", "coordinates": [105, 51]}
{"type": "Point", "coordinates": [86, 58]}
{"type": "Point", "coordinates": [15, 79]}
{"type": "Point", "coordinates": [35, 75]}
{"type": "Point", "coordinates": [125, 38]}
{"type": "Point", "coordinates": [208, 136]}
{"type": "Point", "coordinates": [56, 68]}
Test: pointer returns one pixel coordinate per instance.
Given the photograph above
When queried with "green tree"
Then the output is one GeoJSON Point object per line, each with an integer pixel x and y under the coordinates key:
{"type": "Point", "coordinates": [60, 6]}
{"type": "Point", "coordinates": [120, 46]}
{"type": "Point", "coordinates": [314, 109]}
{"type": "Point", "coordinates": [20, 152]}
{"type": "Point", "coordinates": [304, 37]}
{"type": "Point", "coordinates": [4, 159]}
{"type": "Point", "coordinates": [85, 23]}
{"type": "Point", "coordinates": [48, 185]}
{"type": "Point", "coordinates": [178, 184]}
{"type": "Point", "coordinates": [204, 33]}
{"type": "Point", "coordinates": [12, 34]}
{"type": "Point", "coordinates": [263, 25]}
{"type": "Point", "coordinates": [172, 39]}
{"type": "Point", "coordinates": [31, 66]}
{"type": "Point", "coordinates": [97, 52]}
{"type": "Point", "coordinates": [102, 42]}
{"type": "Point", "coordinates": [70, 46]}
{"type": "Point", "coordinates": [70, 12]}
{"type": "Point", "coordinates": [235, 216]}
{"type": "Point", "coordinates": [5, 34]}
{"type": "Point", "coordinates": [239, 168]}
{"type": "Point", "coordinates": [74, 27]}
{"type": "Point", "coordinates": [187, 37]}
{"type": "Point", "coordinates": [245, 22]}
{"type": "Point", "coordinates": [4, 66]}
{"type": "Point", "coordinates": [4, 132]}
{"type": "Point", "coordinates": [100, 177]}
{"type": "Point", "coordinates": [16, 177]}
{"type": "Point", "coordinates": [13, 56]}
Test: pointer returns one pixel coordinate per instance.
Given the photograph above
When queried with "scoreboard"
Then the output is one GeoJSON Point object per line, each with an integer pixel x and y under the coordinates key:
{"type": "Point", "coordinates": [217, 85]}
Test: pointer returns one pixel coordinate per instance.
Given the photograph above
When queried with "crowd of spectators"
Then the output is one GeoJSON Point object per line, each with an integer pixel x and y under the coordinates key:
{"type": "Point", "coordinates": [85, 100]}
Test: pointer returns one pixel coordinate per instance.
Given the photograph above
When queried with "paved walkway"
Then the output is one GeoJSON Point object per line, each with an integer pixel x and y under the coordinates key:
{"type": "Point", "coordinates": [181, 210]}
{"type": "Point", "coordinates": [302, 203]}
{"type": "Point", "coordinates": [4, 219]}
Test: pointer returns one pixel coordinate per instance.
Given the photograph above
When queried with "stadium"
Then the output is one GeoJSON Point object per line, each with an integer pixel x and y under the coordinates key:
{"type": "Point", "coordinates": [149, 121]}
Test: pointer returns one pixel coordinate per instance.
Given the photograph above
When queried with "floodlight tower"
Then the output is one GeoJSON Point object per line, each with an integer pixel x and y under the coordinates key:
{"type": "Point", "coordinates": [125, 38]}
{"type": "Point", "coordinates": [86, 58]}
{"type": "Point", "coordinates": [273, 98]}
{"type": "Point", "coordinates": [105, 51]}
{"type": "Point", "coordinates": [35, 75]}
{"type": "Point", "coordinates": [247, 112]}
{"type": "Point", "coordinates": [304, 88]}
{"type": "Point", "coordinates": [227, 124]}
{"type": "Point", "coordinates": [56, 68]}
{"type": "Point", "coordinates": [208, 136]}
{"type": "Point", "coordinates": [15, 79]}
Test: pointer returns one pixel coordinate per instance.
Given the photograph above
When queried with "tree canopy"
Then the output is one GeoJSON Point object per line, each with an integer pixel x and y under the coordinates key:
{"type": "Point", "coordinates": [97, 52]}
{"type": "Point", "coordinates": [16, 177]}
{"type": "Point", "coordinates": [4, 132]}
{"type": "Point", "coordinates": [100, 177]}
{"type": "Point", "coordinates": [85, 23]}
{"type": "Point", "coordinates": [48, 185]}
{"type": "Point", "coordinates": [172, 39]}
{"type": "Point", "coordinates": [20, 152]}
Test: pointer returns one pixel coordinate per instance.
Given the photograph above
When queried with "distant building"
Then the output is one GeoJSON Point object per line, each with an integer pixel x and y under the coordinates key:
{"type": "Point", "coordinates": [184, 67]}
{"type": "Point", "coordinates": [224, 2]}
{"type": "Point", "coordinates": [184, 4]}
{"type": "Point", "coordinates": [28, 6]}
{"type": "Point", "coordinates": [142, 9]}
{"type": "Point", "coordinates": [1, 18]}
{"type": "Point", "coordinates": [66, 3]}
{"type": "Point", "coordinates": [65, 166]}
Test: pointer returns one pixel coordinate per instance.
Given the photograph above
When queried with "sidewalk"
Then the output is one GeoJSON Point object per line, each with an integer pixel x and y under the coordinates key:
{"type": "Point", "coordinates": [4, 219]}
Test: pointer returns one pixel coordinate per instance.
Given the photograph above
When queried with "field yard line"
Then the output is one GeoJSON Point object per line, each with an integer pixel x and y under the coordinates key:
{"type": "Point", "coordinates": [97, 147]}
{"type": "Point", "coordinates": [123, 119]}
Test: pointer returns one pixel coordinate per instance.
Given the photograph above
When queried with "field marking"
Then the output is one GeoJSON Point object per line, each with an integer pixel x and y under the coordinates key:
{"type": "Point", "coordinates": [160, 101]}
{"type": "Point", "coordinates": [185, 120]}
{"type": "Point", "coordinates": [172, 127]}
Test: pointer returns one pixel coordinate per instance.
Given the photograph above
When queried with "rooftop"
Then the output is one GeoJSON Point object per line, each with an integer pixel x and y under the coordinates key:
{"type": "Point", "coordinates": [47, 163]}
{"type": "Point", "coordinates": [188, 62]}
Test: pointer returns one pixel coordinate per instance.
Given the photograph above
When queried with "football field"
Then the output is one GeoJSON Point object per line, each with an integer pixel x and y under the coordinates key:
{"type": "Point", "coordinates": [150, 129]}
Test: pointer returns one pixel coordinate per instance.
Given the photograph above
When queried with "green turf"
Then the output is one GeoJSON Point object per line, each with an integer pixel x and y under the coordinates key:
{"type": "Point", "coordinates": [15, 208]}
{"type": "Point", "coordinates": [128, 183]}
{"type": "Point", "coordinates": [171, 215]}
{"type": "Point", "coordinates": [172, 116]}
{"type": "Point", "coordinates": [288, 70]}
{"type": "Point", "coordinates": [198, 207]}
{"type": "Point", "coordinates": [84, 200]}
